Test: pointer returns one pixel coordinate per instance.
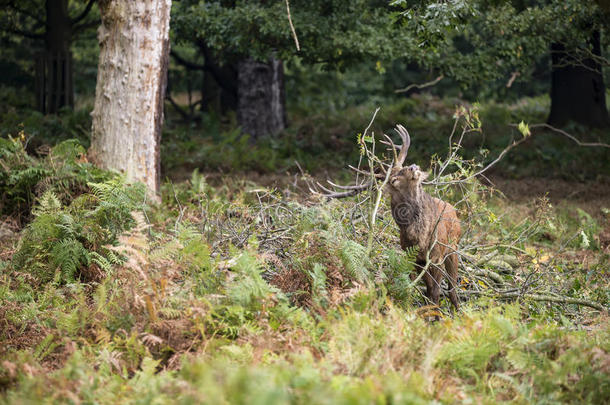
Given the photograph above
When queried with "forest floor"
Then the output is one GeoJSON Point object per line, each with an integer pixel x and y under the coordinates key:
{"type": "Point", "coordinates": [242, 286]}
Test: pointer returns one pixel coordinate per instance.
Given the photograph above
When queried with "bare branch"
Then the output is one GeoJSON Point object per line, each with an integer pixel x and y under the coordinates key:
{"type": "Point", "coordinates": [540, 297]}
{"type": "Point", "coordinates": [360, 171]}
{"type": "Point", "coordinates": [350, 190]}
{"type": "Point", "coordinates": [483, 170]}
{"type": "Point", "coordinates": [351, 187]}
{"type": "Point", "coordinates": [83, 14]}
{"type": "Point", "coordinates": [566, 134]}
{"type": "Point", "coordinates": [369, 245]}
{"type": "Point", "coordinates": [186, 63]}
{"type": "Point", "coordinates": [512, 79]}
{"type": "Point", "coordinates": [420, 86]}
{"type": "Point", "coordinates": [185, 115]}
{"type": "Point", "coordinates": [294, 33]}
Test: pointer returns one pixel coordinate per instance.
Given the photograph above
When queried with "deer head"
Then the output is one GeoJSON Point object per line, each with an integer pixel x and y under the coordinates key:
{"type": "Point", "coordinates": [407, 178]}
{"type": "Point", "coordinates": [403, 180]}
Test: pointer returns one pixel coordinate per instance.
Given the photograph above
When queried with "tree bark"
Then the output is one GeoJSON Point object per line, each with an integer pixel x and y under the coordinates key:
{"type": "Point", "coordinates": [131, 81]}
{"type": "Point", "coordinates": [261, 100]}
{"type": "Point", "coordinates": [577, 88]}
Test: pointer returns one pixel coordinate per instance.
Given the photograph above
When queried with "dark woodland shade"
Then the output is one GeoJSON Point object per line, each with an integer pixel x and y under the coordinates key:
{"type": "Point", "coordinates": [578, 92]}
{"type": "Point", "coordinates": [54, 81]}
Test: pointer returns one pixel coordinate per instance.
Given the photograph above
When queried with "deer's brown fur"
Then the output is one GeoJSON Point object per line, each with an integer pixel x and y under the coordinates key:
{"type": "Point", "coordinates": [424, 221]}
{"type": "Point", "coordinates": [428, 223]}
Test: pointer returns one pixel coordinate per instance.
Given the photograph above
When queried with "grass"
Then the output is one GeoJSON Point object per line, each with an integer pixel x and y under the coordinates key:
{"type": "Point", "coordinates": [233, 292]}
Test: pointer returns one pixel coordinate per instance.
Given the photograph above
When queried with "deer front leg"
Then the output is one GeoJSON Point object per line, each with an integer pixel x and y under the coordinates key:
{"type": "Point", "coordinates": [451, 265]}
{"type": "Point", "coordinates": [433, 289]}
{"type": "Point", "coordinates": [420, 264]}
{"type": "Point", "coordinates": [432, 278]}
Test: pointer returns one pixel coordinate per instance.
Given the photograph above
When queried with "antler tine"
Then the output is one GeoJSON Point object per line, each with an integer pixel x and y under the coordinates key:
{"type": "Point", "coordinates": [350, 190]}
{"type": "Point", "coordinates": [391, 143]}
{"type": "Point", "coordinates": [377, 175]}
{"type": "Point", "coordinates": [404, 148]}
{"type": "Point", "coordinates": [351, 187]}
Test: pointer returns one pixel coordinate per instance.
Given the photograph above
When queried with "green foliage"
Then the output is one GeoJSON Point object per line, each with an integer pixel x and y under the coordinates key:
{"type": "Point", "coordinates": [319, 140]}
{"type": "Point", "coordinates": [43, 129]}
{"type": "Point", "coordinates": [232, 292]}
{"type": "Point", "coordinates": [397, 273]}
{"type": "Point", "coordinates": [231, 150]}
{"type": "Point", "coordinates": [479, 42]}
{"type": "Point", "coordinates": [370, 357]}
{"type": "Point", "coordinates": [355, 260]}
{"type": "Point", "coordinates": [335, 32]}
{"type": "Point", "coordinates": [19, 174]}
{"type": "Point", "coordinates": [64, 171]}
{"type": "Point", "coordinates": [248, 288]}
{"type": "Point", "coordinates": [318, 278]}
{"type": "Point", "coordinates": [75, 240]}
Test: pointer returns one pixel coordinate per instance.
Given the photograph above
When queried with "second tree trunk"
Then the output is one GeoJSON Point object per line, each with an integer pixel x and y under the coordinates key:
{"type": "Point", "coordinates": [261, 100]}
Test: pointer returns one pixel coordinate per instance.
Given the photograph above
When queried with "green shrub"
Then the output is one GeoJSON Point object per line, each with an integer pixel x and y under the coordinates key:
{"type": "Point", "coordinates": [64, 243]}
{"type": "Point", "coordinates": [64, 171]}
{"type": "Point", "coordinates": [48, 129]}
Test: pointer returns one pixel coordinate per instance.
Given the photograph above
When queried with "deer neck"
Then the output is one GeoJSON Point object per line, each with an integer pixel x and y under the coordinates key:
{"type": "Point", "coordinates": [408, 207]}
{"type": "Point", "coordinates": [414, 195]}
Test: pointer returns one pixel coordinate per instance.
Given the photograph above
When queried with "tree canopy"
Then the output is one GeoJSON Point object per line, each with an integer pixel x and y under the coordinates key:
{"type": "Point", "coordinates": [333, 32]}
{"type": "Point", "coordinates": [477, 41]}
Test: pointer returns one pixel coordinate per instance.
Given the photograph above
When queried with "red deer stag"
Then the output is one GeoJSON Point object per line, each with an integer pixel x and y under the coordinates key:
{"type": "Point", "coordinates": [424, 221]}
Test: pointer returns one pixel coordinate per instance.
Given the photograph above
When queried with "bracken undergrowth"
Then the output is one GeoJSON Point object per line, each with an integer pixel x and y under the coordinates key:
{"type": "Point", "coordinates": [242, 294]}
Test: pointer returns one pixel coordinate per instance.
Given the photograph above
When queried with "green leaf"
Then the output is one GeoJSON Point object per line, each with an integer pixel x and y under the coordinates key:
{"type": "Point", "coordinates": [524, 129]}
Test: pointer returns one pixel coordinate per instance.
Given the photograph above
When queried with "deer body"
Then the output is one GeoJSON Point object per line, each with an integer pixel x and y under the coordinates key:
{"type": "Point", "coordinates": [424, 221]}
{"type": "Point", "coordinates": [431, 225]}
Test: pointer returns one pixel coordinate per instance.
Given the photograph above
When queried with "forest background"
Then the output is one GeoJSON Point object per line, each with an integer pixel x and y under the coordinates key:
{"type": "Point", "coordinates": [229, 277]}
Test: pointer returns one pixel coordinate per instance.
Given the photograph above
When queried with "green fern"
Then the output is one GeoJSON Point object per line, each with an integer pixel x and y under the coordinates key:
{"type": "Point", "coordinates": [355, 260]}
{"type": "Point", "coordinates": [64, 172]}
{"type": "Point", "coordinates": [68, 256]}
{"type": "Point", "coordinates": [249, 287]}
{"type": "Point", "coordinates": [397, 273]}
{"type": "Point", "coordinates": [105, 264]}
{"type": "Point", "coordinates": [317, 277]}
{"type": "Point", "coordinates": [73, 238]}
{"type": "Point", "coordinates": [48, 204]}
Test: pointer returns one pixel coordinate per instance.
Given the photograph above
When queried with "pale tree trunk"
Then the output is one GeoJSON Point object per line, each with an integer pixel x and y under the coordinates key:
{"type": "Point", "coordinates": [131, 80]}
{"type": "Point", "coordinates": [260, 97]}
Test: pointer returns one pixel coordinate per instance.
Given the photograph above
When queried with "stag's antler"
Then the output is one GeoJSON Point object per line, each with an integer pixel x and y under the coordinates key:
{"type": "Point", "coordinates": [404, 148]}
{"type": "Point", "coordinates": [339, 191]}
{"type": "Point", "coordinates": [348, 190]}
